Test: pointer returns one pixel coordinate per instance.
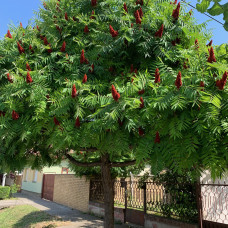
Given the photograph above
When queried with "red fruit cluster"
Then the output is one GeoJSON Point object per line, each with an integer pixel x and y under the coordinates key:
{"type": "Point", "coordinates": [82, 58]}
{"type": "Point", "coordinates": [77, 122]}
{"type": "Point", "coordinates": [202, 85]}
{"type": "Point", "coordinates": [222, 82]}
{"type": "Point", "coordinates": [92, 68]}
{"type": "Point", "coordinates": [137, 17]}
{"type": "Point", "coordinates": [58, 28]}
{"type": "Point", "coordinates": [63, 48]}
{"type": "Point", "coordinates": [174, 3]}
{"type": "Point", "coordinates": [142, 103]}
{"type": "Point", "coordinates": [140, 92]}
{"type": "Point", "coordinates": [86, 29]}
{"type": "Point", "coordinates": [93, 2]}
{"type": "Point", "coordinates": [9, 34]}
{"type": "Point", "coordinates": [15, 115]}
{"type": "Point", "coordinates": [56, 122]}
{"type": "Point", "coordinates": [125, 8]}
{"type": "Point", "coordinates": [20, 48]}
{"type": "Point", "coordinates": [45, 41]}
{"type": "Point", "coordinates": [176, 12]}
{"type": "Point", "coordinates": [28, 67]}
{"type": "Point", "coordinates": [178, 82]}
{"type": "Point", "coordinates": [9, 78]}
{"type": "Point", "coordinates": [66, 16]}
{"type": "Point", "coordinates": [28, 78]}
{"type": "Point", "coordinates": [49, 50]}
{"type": "Point", "coordinates": [2, 113]}
{"type": "Point", "coordinates": [211, 57]}
{"type": "Point", "coordinates": [92, 17]}
{"type": "Point", "coordinates": [196, 43]}
{"type": "Point", "coordinates": [140, 12]}
{"type": "Point", "coordinates": [159, 32]}
{"type": "Point", "coordinates": [84, 80]}
{"type": "Point", "coordinates": [112, 31]}
{"type": "Point", "coordinates": [157, 76]}
{"type": "Point", "coordinates": [21, 25]}
{"type": "Point", "coordinates": [210, 43]}
{"type": "Point", "coordinates": [74, 91]}
{"type": "Point", "coordinates": [115, 94]}
{"type": "Point", "coordinates": [157, 138]}
{"type": "Point", "coordinates": [139, 2]}
{"type": "Point", "coordinates": [38, 28]}
{"type": "Point", "coordinates": [30, 48]}
{"type": "Point", "coordinates": [141, 131]}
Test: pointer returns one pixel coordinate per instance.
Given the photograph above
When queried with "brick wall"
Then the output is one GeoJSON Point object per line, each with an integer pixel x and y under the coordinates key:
{"type": "Point", "coordinates": [72, 192]}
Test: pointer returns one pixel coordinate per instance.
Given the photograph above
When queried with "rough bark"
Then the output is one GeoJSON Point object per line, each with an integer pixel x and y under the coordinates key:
{"type": "Point", "coordinates": [108, 186]}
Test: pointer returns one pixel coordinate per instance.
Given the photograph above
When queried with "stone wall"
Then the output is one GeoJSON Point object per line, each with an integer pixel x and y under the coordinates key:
{"type": "Point", "coordinates": [72, 192]}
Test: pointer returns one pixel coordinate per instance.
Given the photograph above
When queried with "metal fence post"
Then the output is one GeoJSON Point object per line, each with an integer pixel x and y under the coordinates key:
{"type": "Point", "coordinates": [144, 203]}
{"type": "Point", "coordinates": [199, 204]}
{"type": "Point", "coordinates": [125, 201]}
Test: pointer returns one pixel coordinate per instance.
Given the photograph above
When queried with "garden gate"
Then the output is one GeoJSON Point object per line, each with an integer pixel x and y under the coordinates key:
{"type": "Point", "coordinates": [48, 186]}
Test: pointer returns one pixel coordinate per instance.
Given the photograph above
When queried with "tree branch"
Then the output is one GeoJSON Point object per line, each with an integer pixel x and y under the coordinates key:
{"type": "Point", "coordinates": [123, 164]}
{"type": "Point", "coordinates": [82, 164]}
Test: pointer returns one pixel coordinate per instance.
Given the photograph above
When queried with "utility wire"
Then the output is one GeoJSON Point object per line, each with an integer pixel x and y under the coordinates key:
{"type": "Point", "coordinates": [204, 13]}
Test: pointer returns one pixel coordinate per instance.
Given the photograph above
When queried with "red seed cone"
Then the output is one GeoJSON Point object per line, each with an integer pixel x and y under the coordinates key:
{"type": "Point", "coordinates": [30, 48]}
{"type": "Point", "coordinates": [176, 12]}
{"type": "Point", "coordinates": [115, 94]}
{"type": "Point", "coordinates": [58, 28]}
{"type": "Point", "coordinates": [185, 65]}
{"type": "Point", "coordinates": [15, 115]}
{"type": "Point", "coordinates": [21, 25]}
{"type": "Point", "coordinates": [141, 131]}
{"type": "Point", "coordinates": [56, 122]}
{"type": "Point", "coordinates": [86, 29]}
{"type": "Point", "coordinates": [45, 41]}
{"type": "Point", "coordinates": [125, 8]}
{"type": "Point", "coordinates": [178, 82]}
{"type": "Point", "coordinates": [74, 91]}
{"type": "Point", "coordinates": [174, 3]}
{"type": "Point", "coordinates": [63, 48]}
{"type": "Point", "coordinates": [142, 103]}
{"type": "Point", "coordinates": [20, 48]}
{"type": "Point", "coordinates": [28, 78]}
{"type": "Point", "coordinates": [137, 17]}
{"type": "Point", "coordinates": [190, 12]}
{"type": "Point", "coordinates": [9, 78]}
{"type": "Point", "coordinates": [28, 67]}
{"type": "Point", "coordinates": [159, 32]}
{"type": "Point", "coordinates": [9, 34]}
{"type": "Point", "coordinates": [210, 43]}
{"type": "Point", "coordinates": [211, 57]}
{"type": "Point", "coordinates": [157, 138]}
{"type": "Point", "coordinates": [77, 122]}
{"type": "Point", "coordinates": [66, 16]}
{"type": "Point", "coordinates": [112, 31]}
{"type": "Point", "coordinates": [140, 92]}
{"type": "Point", "coordinates": [93, 2]}
{"type": "Point", "coordinates": [84, 80]}
{"type": "Point", "coordinates": [157, 76]}
{"type": "Point", "coordinates": [2, 113]}
{"type": "Point", "coordinates": [82, 58]}
{"type": "Point", "coordinates": [38, 28]}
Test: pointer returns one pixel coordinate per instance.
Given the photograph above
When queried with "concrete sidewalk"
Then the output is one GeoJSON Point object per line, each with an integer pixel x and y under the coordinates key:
{"type": "Point", "coordinates": [77, 218]}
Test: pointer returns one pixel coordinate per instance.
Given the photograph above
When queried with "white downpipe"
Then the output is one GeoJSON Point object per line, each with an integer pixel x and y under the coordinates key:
{"type": "Point", "coordinates": [4, 179]}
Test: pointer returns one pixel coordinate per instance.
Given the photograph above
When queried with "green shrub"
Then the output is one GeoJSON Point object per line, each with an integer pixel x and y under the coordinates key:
{"type": "Point", "coordinates": [14, 188]}
{"type": "Point", "coordinates": [4, 192]}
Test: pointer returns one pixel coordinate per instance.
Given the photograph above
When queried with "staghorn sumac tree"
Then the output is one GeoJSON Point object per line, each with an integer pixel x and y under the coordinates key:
{"type": "Point", "coordinates": [123, 82]}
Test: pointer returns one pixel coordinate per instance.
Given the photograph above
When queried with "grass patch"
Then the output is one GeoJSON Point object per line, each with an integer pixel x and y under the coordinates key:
{"type": "Point", "coordinates": [26, 216]}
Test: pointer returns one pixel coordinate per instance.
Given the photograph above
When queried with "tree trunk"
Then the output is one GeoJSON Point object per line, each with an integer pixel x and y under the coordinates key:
{"type": "Point", "coordinates": [108, 187]}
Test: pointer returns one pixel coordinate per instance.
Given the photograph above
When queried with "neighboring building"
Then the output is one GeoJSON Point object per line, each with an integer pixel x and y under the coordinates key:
{"type": "Point", "coordinates": [33, 179]}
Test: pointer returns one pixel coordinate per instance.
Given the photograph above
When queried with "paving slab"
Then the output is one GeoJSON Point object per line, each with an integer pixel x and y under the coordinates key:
{"type": "Point", "coordinates": [77, 218]}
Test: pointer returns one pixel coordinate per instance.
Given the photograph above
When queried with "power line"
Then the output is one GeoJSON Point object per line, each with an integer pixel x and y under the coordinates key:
{"type": "Point", "coordinates": [204, 13]}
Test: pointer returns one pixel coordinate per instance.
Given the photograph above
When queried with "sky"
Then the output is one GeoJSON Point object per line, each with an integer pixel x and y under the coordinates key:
{"type": "Point", "coordinates": [16, 11]}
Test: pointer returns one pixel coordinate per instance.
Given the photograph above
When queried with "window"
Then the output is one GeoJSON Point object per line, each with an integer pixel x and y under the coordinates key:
{"type": "Point", "coordinates": [35, 175]}
{"type": "Point", "coordinates": [64, 170]}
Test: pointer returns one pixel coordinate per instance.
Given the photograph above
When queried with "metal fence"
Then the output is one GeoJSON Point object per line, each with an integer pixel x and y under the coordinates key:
{"type": "Point", "coordinates": [215, 202]}
{"type": "Point", "coordinates": [152, 198]}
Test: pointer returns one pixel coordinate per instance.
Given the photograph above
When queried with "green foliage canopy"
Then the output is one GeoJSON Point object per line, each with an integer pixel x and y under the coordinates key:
{"type": "Point", "coordinates": [183, 128]}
